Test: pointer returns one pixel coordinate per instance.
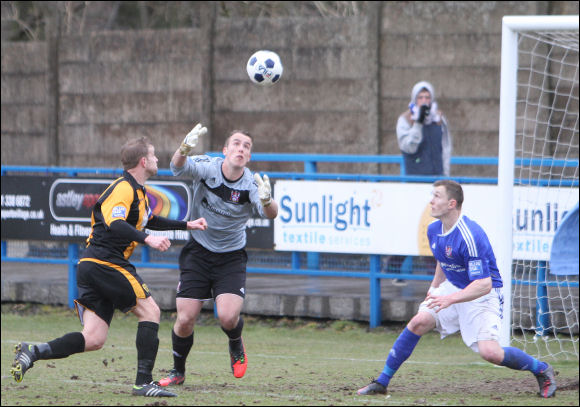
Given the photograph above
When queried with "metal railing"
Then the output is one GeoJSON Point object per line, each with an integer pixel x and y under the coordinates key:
{"type": "Point", "coordinates": [310, 161]}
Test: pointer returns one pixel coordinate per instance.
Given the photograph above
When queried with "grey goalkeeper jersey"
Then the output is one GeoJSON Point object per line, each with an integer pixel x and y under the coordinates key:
{"type": "Point", "coordinates": [226, 205]}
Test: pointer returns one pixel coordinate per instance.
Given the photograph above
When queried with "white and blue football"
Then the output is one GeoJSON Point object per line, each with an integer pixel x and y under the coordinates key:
{"type": "Point", "coordinates": [265, 67]}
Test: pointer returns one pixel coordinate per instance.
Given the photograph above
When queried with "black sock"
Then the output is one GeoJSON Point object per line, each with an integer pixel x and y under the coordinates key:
{"type": "Point", "coordinates": [181, 348]}
{"type": "Point", "coordinates": [147, 343]}
{"type": "Point", "coordinates": [235, 336]}
{"type": "Point", "coordinates": [62, 347]}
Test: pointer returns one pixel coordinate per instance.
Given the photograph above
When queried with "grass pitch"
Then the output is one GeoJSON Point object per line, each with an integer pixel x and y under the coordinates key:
{"type": "Point", "coordinates": [290, 362]}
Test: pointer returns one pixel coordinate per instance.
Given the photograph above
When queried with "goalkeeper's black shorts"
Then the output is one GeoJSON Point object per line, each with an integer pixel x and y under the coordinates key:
{"type": "Point", "coordinates": [104, 286]}
{"type": "Point", "coordinates": [205, 274]}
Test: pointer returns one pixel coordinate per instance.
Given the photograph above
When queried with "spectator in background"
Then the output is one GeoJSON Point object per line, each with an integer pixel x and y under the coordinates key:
{"type": "Point", "coordinates": [423, 135]}
{"type": "Point", "coordinates": [425, 143]}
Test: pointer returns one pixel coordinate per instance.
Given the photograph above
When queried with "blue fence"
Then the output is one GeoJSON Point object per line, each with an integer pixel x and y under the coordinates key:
{"type": "Point", "coordinates": [375, 271]}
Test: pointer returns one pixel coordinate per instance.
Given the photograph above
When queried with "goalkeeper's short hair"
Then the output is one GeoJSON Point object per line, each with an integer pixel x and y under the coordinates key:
{"type": "Point", "coordinates": [244, 132]}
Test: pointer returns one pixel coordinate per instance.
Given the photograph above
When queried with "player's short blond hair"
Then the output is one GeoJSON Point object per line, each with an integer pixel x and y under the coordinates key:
{"type": "Point", "coordinates": [133, 150]}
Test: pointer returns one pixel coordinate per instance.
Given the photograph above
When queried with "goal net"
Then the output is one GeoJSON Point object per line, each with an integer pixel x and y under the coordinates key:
{"type": "Point", "coordinates": [538, 183]}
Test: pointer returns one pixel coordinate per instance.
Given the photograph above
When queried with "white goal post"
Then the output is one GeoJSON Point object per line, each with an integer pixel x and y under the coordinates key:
{"type": "Point", "coordinates": [538, 156]}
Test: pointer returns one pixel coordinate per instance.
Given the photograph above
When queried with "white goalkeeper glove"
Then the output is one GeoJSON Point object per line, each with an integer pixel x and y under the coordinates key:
{"type": "Point", "coordinates": [190, 141]}
{"type": "Point", "coordinates": [264, 189]}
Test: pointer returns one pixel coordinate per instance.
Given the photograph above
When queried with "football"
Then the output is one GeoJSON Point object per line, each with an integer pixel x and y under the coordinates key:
{"type": "Point", "coordinates": [264, 67]}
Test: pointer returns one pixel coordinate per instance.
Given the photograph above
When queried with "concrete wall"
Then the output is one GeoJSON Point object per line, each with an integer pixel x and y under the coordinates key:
{"type": "Point", "coordinates": [74, 100]}
{"type": "Point", "coordinates": [25, 104]}
{"type": "Point", "coordinates": [457, 47]}
{"type": "Point", "coordinates": [326, 101]}
{"type": "Point", "coordinates": [119, 85]}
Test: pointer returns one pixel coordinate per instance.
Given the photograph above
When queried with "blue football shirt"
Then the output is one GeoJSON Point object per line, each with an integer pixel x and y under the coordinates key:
{"type": "Point", "coordinates": [464, 252]}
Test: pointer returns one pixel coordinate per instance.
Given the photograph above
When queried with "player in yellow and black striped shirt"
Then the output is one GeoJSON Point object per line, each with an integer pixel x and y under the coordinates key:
{"type": "Point", "coordinates": [107, 280]}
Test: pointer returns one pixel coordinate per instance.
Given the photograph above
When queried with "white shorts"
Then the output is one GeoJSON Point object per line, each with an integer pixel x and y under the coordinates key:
{"type": "Point", "coordinates": [477, 320]}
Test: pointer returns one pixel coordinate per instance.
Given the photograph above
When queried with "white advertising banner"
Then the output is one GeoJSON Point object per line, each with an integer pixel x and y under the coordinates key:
{"type": "Point", "coordinates": [536, 215]}
{"type": "Point", "coordinates": [392, 218]}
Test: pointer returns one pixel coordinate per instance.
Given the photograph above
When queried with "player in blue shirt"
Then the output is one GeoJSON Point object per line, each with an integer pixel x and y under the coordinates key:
{"type": "Point", "coordinates": [465, 296]}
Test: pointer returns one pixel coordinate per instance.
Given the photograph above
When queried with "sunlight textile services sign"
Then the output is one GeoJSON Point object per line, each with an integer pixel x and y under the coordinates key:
{"type": "Point", "coordinates": [392, 218]}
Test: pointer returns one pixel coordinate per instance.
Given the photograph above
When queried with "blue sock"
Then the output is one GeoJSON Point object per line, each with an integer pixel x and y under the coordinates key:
{"type": "Point", "coordinates": [401, 350]}
{"type": "Point", "coordinates": [519, 360]}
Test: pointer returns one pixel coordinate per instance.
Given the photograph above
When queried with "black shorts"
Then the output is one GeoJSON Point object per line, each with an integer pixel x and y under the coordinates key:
{"type": "Point", "coordinates": [105, 286]}
{"type": "Point", "coordinates": [205, 274]}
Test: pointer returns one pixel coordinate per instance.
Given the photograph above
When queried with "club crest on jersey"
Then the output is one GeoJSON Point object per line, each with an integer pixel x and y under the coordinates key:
{"type": "Point", "coordinates": [235, 196]}
{"type": "Point", "coordinates": [448, 251]}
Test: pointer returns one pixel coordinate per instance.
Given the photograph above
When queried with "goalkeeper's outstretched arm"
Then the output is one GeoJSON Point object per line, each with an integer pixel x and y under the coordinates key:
{"type": "Point", "coordinates": [178, 160]}
{"type": "Point", "coordinates": [187, 145]}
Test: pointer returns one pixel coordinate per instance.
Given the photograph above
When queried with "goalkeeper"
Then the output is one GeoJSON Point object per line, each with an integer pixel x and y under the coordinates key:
{"type": "Point", "coordinates": [465, 296]}
{"type": "Point", "coordinates": [213, 263]}
{"type": "Point", "coordinates": [107, 280]}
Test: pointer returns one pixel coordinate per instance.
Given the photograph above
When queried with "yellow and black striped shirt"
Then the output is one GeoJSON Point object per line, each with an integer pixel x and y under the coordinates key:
{"type": "Point", "coordinates": [119, 217]}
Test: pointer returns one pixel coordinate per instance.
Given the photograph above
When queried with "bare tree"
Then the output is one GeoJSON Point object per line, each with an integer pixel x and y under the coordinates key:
{"type": "Point", "coordinates": [28, 21]}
